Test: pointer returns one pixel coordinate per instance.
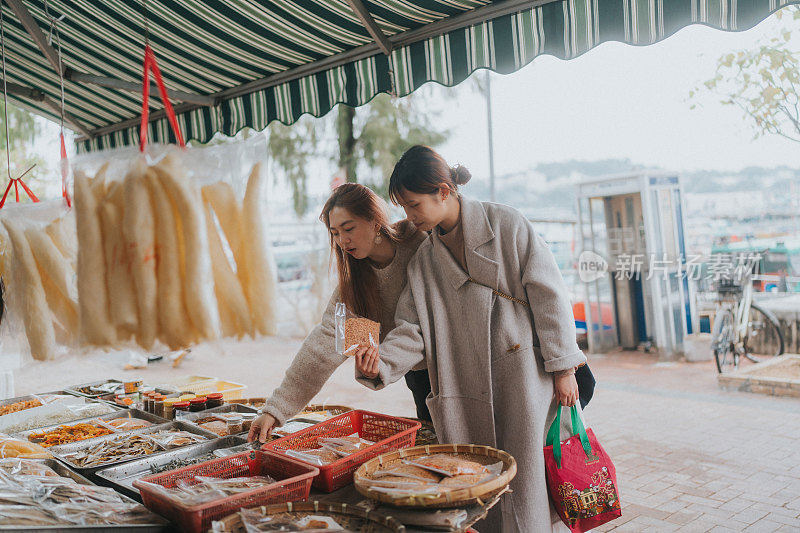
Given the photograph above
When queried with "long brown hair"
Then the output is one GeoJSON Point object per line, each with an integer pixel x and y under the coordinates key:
{"type": "Point", "coordinates": [357, 282]}
{"type": "Point", "coordinates": [423, 171]}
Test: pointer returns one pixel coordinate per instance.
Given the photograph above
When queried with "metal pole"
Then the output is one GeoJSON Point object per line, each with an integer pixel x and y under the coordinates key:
{"type": "Point", "coordinates": [491, 137]}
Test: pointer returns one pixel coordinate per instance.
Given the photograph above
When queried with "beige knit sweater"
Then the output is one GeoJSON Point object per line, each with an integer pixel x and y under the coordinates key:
{"type": "Point", "coordinates": [317, 358]}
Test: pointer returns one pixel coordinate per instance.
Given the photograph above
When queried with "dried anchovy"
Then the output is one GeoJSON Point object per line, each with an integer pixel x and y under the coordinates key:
{"type": "Point", "coordinates": [180, 463]}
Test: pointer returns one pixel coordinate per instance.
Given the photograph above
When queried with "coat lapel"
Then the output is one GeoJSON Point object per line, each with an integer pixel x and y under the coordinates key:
{"type": "Point", "coordinates": [477, 232]}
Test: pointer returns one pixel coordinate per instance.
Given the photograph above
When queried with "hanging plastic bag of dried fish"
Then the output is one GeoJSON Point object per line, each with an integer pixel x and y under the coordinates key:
{"type": "Point", "coordinates": [37, 267]}
{"type": "Point", "coordinates": [167, 231]}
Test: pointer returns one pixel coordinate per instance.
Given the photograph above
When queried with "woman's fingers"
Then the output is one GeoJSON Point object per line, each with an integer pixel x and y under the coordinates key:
{"type": "Point", "coordinates": [254, 431]}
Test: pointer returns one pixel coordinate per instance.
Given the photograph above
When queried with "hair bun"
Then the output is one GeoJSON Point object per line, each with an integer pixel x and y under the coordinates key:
{"type": "Point", "coordinates": [460, 175]}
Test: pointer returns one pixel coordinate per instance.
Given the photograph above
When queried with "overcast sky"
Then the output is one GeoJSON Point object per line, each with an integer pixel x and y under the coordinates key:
{"type": "Point", "coordinates": [616, 101]}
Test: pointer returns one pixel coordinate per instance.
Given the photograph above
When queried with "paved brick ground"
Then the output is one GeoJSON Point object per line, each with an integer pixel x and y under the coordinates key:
{"type": "Point", "coordinates": [689, 456]}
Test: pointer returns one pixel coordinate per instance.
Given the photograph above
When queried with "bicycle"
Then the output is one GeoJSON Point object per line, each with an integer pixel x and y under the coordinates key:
{"type": "Point", "coordinates": [739, 322]}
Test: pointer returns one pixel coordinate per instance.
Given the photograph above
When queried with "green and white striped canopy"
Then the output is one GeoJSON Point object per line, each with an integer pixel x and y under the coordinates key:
{"type": "Point", "coordinates": [265, 60]}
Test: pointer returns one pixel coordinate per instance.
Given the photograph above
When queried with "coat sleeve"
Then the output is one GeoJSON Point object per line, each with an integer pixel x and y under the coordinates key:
{"type": "Point", "coordinates": [403, 348]}
{"type": "Point", "coordinates": [311, 368]}
{"type": "Point", "coordinates": [547, 293]}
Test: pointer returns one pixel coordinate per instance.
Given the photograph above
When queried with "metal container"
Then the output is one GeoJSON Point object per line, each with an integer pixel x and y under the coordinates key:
{"type": "Point", "coordinates": [121, 477]}
{"type": "Point", "coordinates": [122, 413]}
{"type": "Point", "coordinates": [64, 471]}
{"type": "Point", "coordinates": [75, 388]}
{"type": "Point", "coordinates": [61, 451]}
{"type": "Point", "coordinates": [9, 401]}
{"type": "Point", "coordinates": [191, 418]}
{"type": "Point", "coordinates": [87, 401]}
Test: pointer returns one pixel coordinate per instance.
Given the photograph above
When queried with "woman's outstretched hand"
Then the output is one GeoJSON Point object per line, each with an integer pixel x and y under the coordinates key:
{"type": "Point", "coordinates": [566, 389]}
{"type": "Point", "coordinates": [261, 428]}
{"type": "Point", "coordinates": [367, 359]}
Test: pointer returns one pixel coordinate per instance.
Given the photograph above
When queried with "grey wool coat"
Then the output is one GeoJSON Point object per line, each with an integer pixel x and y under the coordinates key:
{"type": "Point", "coordinates": [490, 359]}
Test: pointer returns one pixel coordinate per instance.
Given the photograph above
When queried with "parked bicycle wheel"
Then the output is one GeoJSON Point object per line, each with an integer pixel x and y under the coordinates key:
{"type": "Point", "coordinates": [764, 336]}
{"type": "Point", "coordinates": [722, 341]}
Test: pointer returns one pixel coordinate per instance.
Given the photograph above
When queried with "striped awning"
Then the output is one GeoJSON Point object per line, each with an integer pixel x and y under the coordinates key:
{"type": "Point", "coordinates": [236, 63]}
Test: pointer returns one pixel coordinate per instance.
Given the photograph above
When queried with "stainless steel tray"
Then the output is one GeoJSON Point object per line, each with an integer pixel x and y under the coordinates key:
{"type": "Point", "coordinates": [64, 471]}
{"type": "Point", "coordinates": [121, 477]}
{"type": "Point", "coordinates": [75, 388]}
{"type": "Point", "coordinates": [61, 451]}
{"type": "Point", "coordinates": [122, 413]}
{"type": "Point", "coordinates": [9, 401]}
{"type": "Point", "coordinates": [191, 418]}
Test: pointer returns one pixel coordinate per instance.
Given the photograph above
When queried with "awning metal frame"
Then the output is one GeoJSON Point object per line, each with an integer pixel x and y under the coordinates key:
{"type": "Point", "coordinates": [433, 29]}
{"type": "Point", "coordinates": [38, 37]}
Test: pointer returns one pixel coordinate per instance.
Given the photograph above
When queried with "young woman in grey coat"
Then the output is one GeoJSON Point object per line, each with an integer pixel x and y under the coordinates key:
{"type": "Point", "coordinates": [498, 369]}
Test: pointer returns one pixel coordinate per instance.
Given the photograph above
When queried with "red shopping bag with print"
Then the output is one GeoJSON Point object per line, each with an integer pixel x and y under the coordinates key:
{"type": "Point", "coordinates": [581, 478]}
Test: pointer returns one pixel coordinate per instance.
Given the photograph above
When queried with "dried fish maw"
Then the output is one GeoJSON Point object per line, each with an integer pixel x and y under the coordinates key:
{"type": "Point", "coordinates": [53, 264]}
{"type": "Point", "coordinates": [138, 230]}
{"type": "Point", "coordinates": [96, 327]}
{"type": "Point", "coordinates": [63, 234]}
{"type": "Point", "coordinates": [64, 310]}
{"type": "Point", "coordinates": [259, 271]}
{"type": "Point", "coordinates": [198, 277]}
{"type": "Point", "coordinates": [36, 315]}
{"type": "Point", "coordinates": [121, 298]}
{"type": "Point", "coordinates": [174, 326]}
{"type": "Point", "coordinates": [227, 287]}
{"type": "Point", "coordinates": [223, 201]}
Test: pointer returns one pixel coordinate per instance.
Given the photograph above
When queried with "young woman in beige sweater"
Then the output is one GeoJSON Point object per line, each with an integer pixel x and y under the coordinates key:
{"type": "Point", "coordinates": [371, 257]}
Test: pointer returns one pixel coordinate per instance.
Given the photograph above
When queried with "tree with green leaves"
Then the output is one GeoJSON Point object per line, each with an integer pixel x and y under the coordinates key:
{"type": "Point", "coordinates": [22, 130]}
{"type": "Point", "coordinates": [363, 142]}
{"type": "Point", "coordinates": [763, 83]}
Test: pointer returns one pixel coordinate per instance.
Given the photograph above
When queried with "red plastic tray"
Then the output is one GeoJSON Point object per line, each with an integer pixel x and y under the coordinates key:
{"type": "Point", "coordinates": [387, 432]}
{"type": "Point", "coordinates": [294, 484]}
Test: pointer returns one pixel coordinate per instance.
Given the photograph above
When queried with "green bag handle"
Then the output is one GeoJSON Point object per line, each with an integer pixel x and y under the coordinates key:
{"type": "Point", "coordinates": [554, 434]}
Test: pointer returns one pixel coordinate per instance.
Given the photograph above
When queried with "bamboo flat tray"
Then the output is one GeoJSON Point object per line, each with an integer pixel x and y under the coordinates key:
{"type": "Point", "coordinates": [347, 516]}
{"type": "Point", "coordinates": [456, 497]}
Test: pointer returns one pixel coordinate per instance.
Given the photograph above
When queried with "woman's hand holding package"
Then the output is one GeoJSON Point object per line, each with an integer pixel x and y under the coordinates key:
{"type": "Point", "coordinates": [261, 428]}
{"type": "Point", "coordinates": [367, 359]}
{"type": "Point", "coordinates": [566, 388]}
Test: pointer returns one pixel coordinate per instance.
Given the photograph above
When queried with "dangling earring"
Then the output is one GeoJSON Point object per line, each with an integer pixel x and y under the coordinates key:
{"type": "Point", "coordinates": [378, 238]}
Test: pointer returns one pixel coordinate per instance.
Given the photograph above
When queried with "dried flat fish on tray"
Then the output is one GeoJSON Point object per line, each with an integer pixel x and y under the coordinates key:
{"type": "Point", "coordinates": [122, 476]}
{"type": "Point", "coordinates": [118, 449]}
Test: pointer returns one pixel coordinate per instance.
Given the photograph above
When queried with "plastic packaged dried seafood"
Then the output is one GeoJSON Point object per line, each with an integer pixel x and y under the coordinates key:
{"type": "Point", "coordinates": [410, 472]}
{"type": "Point", "coordinates": [344, 446]}
{"type": "Point", "coordinates": [353, 331]}
{"type": "Point", "coordinates": [16, 448]}
{"type": "Point", "coordinates": [318, 456]}
{"type": "Point", "coordinates": [447, 465]}
{"type": "Point", "coordinates": [202, 489]}
{"type": "Point", "coordinates": [170, 439]}
{"type": "Point", "coordinates": [26, 467]}
{"type": "Point", "coordinates": [255, 522]}
{"type": "Point", "coordinates": [128, 424]}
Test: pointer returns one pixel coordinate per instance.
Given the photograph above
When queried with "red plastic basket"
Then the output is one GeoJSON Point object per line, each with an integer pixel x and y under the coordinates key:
{"type": "Point", "coordinates": [387, 432]}
{"type": "Point", "coordinates": [294, 484]}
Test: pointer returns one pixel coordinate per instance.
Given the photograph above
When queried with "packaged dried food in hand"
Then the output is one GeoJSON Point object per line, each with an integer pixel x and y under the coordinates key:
{"type": "Point", "coordinates": [353, 331]}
